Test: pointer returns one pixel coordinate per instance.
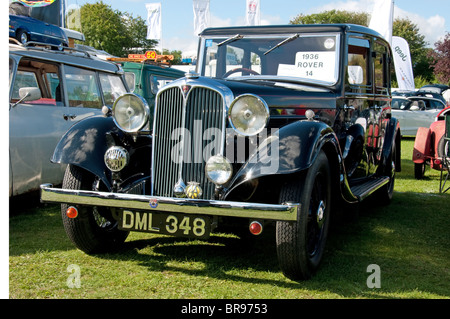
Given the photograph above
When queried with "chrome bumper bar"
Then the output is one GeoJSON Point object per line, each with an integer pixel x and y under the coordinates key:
{"type": "Point", "coordinates": [284, 212]}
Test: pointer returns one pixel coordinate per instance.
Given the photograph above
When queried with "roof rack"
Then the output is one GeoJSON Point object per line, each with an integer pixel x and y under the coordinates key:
{"type": "Point", "coordinates": [46, 46]}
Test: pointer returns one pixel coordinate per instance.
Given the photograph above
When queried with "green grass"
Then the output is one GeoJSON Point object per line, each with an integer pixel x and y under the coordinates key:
{"type": "Point", "coordinates": [408, 239]}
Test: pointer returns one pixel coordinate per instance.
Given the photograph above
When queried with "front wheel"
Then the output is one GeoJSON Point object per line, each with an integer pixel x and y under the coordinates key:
{"type": "Point", "coordinates": [94, 230]}
{"type": "Point", "coordinates": [22, 36]}
{"type": "Point", "coordinates": [385, 194]}
{"type": "Point", "coordinates": [301, 244]}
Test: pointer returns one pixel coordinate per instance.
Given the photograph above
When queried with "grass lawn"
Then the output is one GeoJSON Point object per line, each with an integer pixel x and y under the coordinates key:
{"type": "Point", "coordinates": [408, 240]}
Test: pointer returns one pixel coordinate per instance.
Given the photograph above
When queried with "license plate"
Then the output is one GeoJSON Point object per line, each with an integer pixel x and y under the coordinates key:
{"type": "Point", "coordinates": [168, 224]}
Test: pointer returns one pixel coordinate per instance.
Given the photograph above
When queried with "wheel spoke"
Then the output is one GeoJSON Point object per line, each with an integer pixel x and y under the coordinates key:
{"type": "Point", "coordinates": [316, 216]}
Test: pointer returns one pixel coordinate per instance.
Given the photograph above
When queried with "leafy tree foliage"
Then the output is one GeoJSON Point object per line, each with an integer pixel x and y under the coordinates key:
{"type": "Point", "coordinates": [333, 16]}
{"type": "Point", "coordinates": [103, 27]}
{"type": "Point", "coordinates": [113, 31]}
{"type": "Point", "coordinates": [441, 60]}
{"type": "Point", "coordinates": [417, 46]}
{"type": "Point", "coordinates": [177, 55]}
{"type": "Point", "coordinates": [136, 29]}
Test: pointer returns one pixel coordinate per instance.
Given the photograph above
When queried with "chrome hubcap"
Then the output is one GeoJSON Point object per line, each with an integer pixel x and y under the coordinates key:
{"type": "Point", "coordinates": [320, 213]}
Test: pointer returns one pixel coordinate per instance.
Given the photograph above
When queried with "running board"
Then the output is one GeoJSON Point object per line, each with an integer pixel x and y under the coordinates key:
{"type": "Point", "coordinates": [367, 187]}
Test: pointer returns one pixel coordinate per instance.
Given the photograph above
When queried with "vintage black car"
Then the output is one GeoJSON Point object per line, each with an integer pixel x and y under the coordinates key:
{"type": "Point", "coordinates": [280, 124]}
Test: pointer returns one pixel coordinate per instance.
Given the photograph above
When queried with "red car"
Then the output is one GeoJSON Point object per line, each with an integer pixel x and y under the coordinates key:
{"type": "Point", "coordinates": [431, 146]}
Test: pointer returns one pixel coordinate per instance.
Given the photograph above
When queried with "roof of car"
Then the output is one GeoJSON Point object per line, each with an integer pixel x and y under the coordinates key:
{"type": "Point", "coordinates": [270, 29]}
{"type": "Point", "coordinates": [69, 56]}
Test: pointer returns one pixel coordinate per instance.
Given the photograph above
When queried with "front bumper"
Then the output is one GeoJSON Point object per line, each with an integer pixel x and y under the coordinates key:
{"type": "Point", "coordinates": [284, 212]}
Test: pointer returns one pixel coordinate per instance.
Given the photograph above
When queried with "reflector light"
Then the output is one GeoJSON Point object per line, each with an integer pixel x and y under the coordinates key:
{"type": "Point", "coordinates": [256, 228]}
{"type": "Point", "coordinates": [72, 212]}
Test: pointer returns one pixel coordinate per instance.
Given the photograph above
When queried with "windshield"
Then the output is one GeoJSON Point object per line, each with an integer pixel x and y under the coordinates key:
{"type": "Point", "coordinates": [310, 57]}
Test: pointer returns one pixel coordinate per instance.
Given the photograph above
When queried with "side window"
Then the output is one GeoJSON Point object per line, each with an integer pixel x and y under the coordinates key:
{"type": "Point", "coordinates": [39, 74]}
{"type": "Point", "coordinates": [358, 75]}
{"type": "Point", "coordinates": [158, 81]}
{"type": "Point", "coordinates": [130, 78]}
{"type": "Point", "coordinates": [112, 87]}
{"type": "Point", "coordinates": [23, 79]}
{"type": "Point", "coordinates": [380, 67]}
{"type": "Point", "coordinates": [82, 88]}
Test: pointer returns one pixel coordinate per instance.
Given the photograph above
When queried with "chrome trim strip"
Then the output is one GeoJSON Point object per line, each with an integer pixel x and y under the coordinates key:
{"type": "Point", "coordinates": [284, 212]}
{"type": "Point", "coordinates": [48, 36]}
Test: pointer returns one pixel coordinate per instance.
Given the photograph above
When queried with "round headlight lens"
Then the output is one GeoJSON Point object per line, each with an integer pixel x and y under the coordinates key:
{"type": "Point", "coordinates": [248, 114]}
{"type": "Point", "coordinates": [116, 158]}
{"type": "Point", "coordinates": [218, 169]}
{"type": "Point", "coordinates": [130, 112]}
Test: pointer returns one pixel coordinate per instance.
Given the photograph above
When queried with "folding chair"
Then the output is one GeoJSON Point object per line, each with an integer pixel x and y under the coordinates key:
{"type": "Point", "coordinates": [445, 172]}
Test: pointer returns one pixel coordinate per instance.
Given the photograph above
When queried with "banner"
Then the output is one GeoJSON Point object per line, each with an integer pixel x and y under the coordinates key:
{"type": "Point", "coordinates": [253, 12]}
{"type": "Point", "coordinates": [382, 18]}
{"type": "Point", "coordinates": [403, 65]}
{"type": "Point", "coordinates": [35, 4]}
{"type": "Point", "coordinates": [201, 15]}
{"type": "Point", "coordinates": [154, 28]}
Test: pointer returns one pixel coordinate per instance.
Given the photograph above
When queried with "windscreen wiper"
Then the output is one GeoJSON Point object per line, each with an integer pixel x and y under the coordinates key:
{"type": "Point", "coordinates": [233, 38]}
{"type": "Point", "coordinates": [295, 36]}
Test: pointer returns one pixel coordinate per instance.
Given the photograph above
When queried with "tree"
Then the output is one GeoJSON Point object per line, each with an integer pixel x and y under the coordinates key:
{"type": "Point", "coordinates": [441, 60]}
{"type": "Point", "coordinates": [333, 16]}
{"type": "Point", "coordinates": [103, 28]}
{"type": "Point", "coordinates": [113, 31]}
{"type": "Point", "coordinates": [417, 46]}
{"type": "Point", "coordinates": [137, 41]}
{"type": "Point", "coordinates": [177, 56]}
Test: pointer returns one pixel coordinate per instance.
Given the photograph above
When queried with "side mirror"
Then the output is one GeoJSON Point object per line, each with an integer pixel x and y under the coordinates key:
{"type": "Point", "coordinates": [28, 94]}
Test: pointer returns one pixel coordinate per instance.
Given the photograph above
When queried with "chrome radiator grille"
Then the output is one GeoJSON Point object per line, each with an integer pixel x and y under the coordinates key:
{"type": "Point", "coordinates": [188, 127]}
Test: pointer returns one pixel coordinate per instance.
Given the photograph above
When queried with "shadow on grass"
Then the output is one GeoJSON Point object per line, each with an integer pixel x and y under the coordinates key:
{"type": "Point", "coordinates": [405, 239]}
{"type": "Point", "coordinates": [408, 240]}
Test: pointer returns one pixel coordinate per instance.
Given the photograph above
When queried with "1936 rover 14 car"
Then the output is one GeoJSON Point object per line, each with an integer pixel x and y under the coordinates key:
{"type": "Point", "coordinates": [280, 124]}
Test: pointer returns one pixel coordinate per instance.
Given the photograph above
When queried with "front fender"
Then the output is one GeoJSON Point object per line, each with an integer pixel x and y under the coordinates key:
{"type": "Point", "coordinates": [291, 149]}
{"type": "Point", "coordinates": [392, 137]}
{"type": "Point", "coordinates": [85, 144]}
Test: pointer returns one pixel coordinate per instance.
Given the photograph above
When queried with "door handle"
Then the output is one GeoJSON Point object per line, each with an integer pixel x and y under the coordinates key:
{"type": "Point", "coordinates": [347, 108]}
{"type": "Point", "coordinates": [69, 116]}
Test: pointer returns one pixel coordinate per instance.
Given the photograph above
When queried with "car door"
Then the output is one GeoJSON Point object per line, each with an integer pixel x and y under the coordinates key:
{"type": "Point", "coordinates": [68, 95]}
{"type": "Point", "coordinates": [421, 113]}
{"type": "Point", "coordinates": [360, 120]}
{"type": "Point", "coordinates": [366, 106]}
{"type": "Point", "coordinates": [35, 127]}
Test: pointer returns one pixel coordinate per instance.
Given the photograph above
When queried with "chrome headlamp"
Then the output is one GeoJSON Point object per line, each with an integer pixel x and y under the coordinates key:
{"type": "Point", "coordinates": [248, 114]}
{"type": "Point", "coordinates": [130, 112]}
{"type": "Point", "coordinates": [116, 158]}
{"type": "Point", "coordinates": [218, 169]}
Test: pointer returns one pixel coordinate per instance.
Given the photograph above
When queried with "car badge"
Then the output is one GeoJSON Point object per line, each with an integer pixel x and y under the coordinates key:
{"type": "Point", "coordinates": [185, 89]}
{"type": "Point", "coordinates": [193, 190]}
{"type": "Point", "coordinates": [153, 202]}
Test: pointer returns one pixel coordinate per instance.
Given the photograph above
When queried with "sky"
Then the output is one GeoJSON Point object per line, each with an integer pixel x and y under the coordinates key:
{"type": "Point", "coordinates": [432, 16]}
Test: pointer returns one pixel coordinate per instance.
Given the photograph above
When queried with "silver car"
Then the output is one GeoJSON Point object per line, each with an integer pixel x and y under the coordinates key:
{"type": "Point", "coordinates": [49, 92]}
{"type": "Point", "coordinates": [415, 111]}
